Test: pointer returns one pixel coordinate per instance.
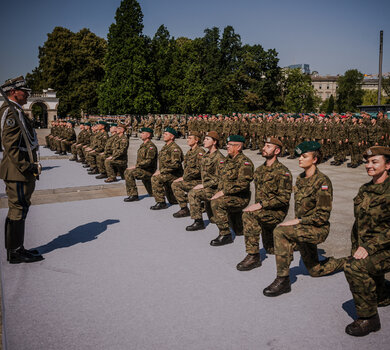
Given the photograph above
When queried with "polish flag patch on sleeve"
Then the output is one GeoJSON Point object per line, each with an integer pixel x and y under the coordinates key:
{"type": "Point", "coordinates": [221, 162]}
{"type": "Point", "coordinates": [247, 163]}
{"type": "Point", "coordinates": [324, 187]}
{"type": "Point", "coordinates": [150, 147]}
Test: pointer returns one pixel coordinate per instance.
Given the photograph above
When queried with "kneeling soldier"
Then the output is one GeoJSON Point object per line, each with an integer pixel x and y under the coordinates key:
{"type": "Point", "coordinates": [145, 167]}
{"type": "Point", "coordinates": [273, 185]}
{"type": "Point", "coordinates": [191, 176]}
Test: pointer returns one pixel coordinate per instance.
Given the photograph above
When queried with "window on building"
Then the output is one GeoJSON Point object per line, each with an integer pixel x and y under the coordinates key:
{"type": "Point", "coordinates": [327, 87]}
{"type": "Point", "coordinates": [320, 87]}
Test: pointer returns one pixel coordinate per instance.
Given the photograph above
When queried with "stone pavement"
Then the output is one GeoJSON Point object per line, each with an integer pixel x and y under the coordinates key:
{"type": "Point", "coordinates": [119, 276]}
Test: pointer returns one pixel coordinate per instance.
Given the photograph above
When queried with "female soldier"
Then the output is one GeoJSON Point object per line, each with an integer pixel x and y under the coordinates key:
{"type": "Point", "coordinates": [313, 203]}
{"type": "Point", "coordinates": [370, 255]}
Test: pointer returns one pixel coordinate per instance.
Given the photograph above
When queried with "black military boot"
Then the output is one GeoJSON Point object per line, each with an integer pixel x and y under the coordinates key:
{"type": "Point", "coordinates": [131, 198]}
{"type": "Point", "coordinates": [159, 206]}
{"type": "Point", "coordinates": [364, 326]}
{"type": "Point", "coordinates": [250, 262]}
{"type": "Point", "coordinates": [197, 225]}
{"type": "Point", "coordinates": [85, 165]}
{"type": "Point", "coordinates": [222, 240]}
{"type": "Point", "coordinates": [182, 213]}
{"type": "Point", "coordinates": [14, 237]}
{"type": "Point", "coordinates": [279, 286]}
{"type": "Point", "coordinates": [101, 176]}
{"type": "Point", "coordinates": [93, 171]}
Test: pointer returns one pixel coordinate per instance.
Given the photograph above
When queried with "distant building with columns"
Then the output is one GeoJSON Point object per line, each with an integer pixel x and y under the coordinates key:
{"type": "Point", "coordinates": [47, 100]}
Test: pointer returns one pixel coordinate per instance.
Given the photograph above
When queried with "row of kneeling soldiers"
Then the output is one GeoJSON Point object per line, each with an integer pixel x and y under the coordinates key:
{"type": "Point", "coordinates": [204, 180]}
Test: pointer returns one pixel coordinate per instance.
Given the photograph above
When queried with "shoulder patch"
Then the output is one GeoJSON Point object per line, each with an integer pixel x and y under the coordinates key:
{"type": "Point", "coordinates": [324, 187]}
{"type": "Point", "coordinates": [150, 147]}
{"type": "Point", "coordinates": [175, 150]}
{"type": "Point", "coordinates": [201, 154]}
{"type": "Point", "coordinates": [221, 162]}
{"type": "Point", "coordinates": [287, 174]}
{"type": "Point", "coordinates": [10, 122]}
{"type": "Point", "coordinates": [247, 163]}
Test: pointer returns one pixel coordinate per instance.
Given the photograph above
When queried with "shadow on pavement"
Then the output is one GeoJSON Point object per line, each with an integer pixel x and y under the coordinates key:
{"type": "Point", "coordinates": [80, 234]}
{"type": "Point", "coordinates": [49, 167]}
{"type": "Point", "coordinates": [349, 308]}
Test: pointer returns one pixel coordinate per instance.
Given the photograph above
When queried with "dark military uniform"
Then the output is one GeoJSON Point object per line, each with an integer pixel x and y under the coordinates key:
{"type": "Point", "coordinates": [170, 159]}
{"type": "Point", "coordinates": [235, 178]}
{"type": "Point", "coordinates": [371, 230]}
{"type": "Point", "coordinates": [273, 185]}
{"type": "Point", "coordinates": [191, 176]}
{"type": "Point", "coordinates": [313, 204]}
{"type": "Point", "coordinates": [144, 169]}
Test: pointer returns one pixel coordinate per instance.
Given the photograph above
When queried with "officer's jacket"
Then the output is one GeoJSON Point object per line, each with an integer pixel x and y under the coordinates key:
{"type": "Point", "coordinates": [120, 146]}
{"type": "Point", "coordinates": [15, 160]}
{"type": "Point", "coordinates": [371, 229]}
{"type": "Point", "coordinates": [273, 186]}
{"type": "Point", "coordinates": [236, 176]}
{"type": "Point", "coordinates": [192, 161]}
{"type": "Point", "coordinates": [170, 159]}
{"type": "Point", "coordinates": [313, 199]}
{"type": "Point", "coordinates": [147, 157]}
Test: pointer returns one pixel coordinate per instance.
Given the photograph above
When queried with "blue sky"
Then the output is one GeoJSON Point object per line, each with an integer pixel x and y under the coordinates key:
{"type": "Point", "coordinates": [332, 36]}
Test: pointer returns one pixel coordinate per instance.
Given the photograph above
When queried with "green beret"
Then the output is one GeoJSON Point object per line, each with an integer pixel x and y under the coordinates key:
{"type": "Point", "coordinates": [150, 130]}
{"type": "Point", "coordinates": [236, 138]}
{"type": "Point", "coordinates": [307, 146]}
{"type": "Point", "coordinates": [101, 122]}
{"type": "Point", "coordinates": [113, 124]}
{"type": "Point", "coordinates": [377, 151]}
{"type": "Point", "coordinates": [87, 123]}
{"type": "Point", "coordinates": [172, 131]}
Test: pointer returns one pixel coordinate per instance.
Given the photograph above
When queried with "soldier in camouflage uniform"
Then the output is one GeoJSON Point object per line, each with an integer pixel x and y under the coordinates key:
{"type": "Point", "coordinates": [233, 193]}
{"type": "Point", "coordinates": [191, 177]}
{"type": "Point", "coordinates": [99, 142]}
{"type": "Point", "coordinates": [210, 167]}
{"type": "Point", "coordinates": [370, 254]}
{"type": "Point", "coordinates": [117, 162]}
{"type": "Point", "coordinates": [158, 128]}
{"type": "Point", "coordinates": [86, 140]}
{"type": "Point", "coordinates": [69, 138]}
{"type": "Point", "coordinates": [108, 149]}
{"type": "Point", "coordinates": [170, 168]}
{"type": "Point", "coordinates": [145, 166]}
{"type": "Point", "coordinates": [313, 194]}
{"type": "Point", "coordinates": [273, 185]}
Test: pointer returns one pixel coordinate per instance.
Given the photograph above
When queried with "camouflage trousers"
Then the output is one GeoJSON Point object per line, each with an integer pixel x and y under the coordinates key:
{"type": "Point", "coordinates": [222, 207]}
{"type": "Point", "coordinates": [74, 147]}
{"type": "Point", "coordinates": [305, 239]}
{"type": "Point", "coordinates": [137, 174]}
{"type": "Point", "coordinates": [90, 157]}
{"type": "Point", "coordinates": [113, 165]}
{"type": "Point", "coordinates": [180, 190]}
{"type": "Point", "coordinates": [66, 145]}
{"type": "Point", "coordinates": [256, 223]}
{"type": "Point", "coordinates": [196, 197]}
{"type": "Point", "coordinates": [159, 183]}
{"type": "Point", "coordinates": [367, 283]}
{"type": "Point", "coordinates": [81, 152]}
{"type": "Point", "coordinates": [100, 158]}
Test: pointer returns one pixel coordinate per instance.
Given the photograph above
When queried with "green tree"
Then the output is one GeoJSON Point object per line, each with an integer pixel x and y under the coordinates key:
{"type": "Point", "coordinates": [370, 97]}
{"type": "Point", "coordinates": [386, 85]}
{"type": "Point", "coordinates": [299, 92]}
{"type": "Point", "coordinates": [71, 64]}
{"type": "Point", "coordinates": [349, 91]}
{"type": "Point", "coordinates": [129, 84]}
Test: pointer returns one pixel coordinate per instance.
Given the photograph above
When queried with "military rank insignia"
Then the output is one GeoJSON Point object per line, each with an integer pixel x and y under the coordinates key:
{"type": "Point", "coordinates": [10, 122]}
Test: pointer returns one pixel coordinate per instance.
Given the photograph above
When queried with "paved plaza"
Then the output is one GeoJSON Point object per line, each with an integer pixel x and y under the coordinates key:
{"type": "Point", "coordinates": [117, 275]}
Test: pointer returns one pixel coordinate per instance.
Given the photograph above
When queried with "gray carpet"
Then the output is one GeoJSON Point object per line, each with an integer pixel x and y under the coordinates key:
{"type": "Point", "coordinates": [120, 276]}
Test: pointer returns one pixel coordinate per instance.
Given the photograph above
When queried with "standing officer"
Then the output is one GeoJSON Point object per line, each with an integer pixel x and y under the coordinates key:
{"type": "Point", "coordinates": [273, 186]}
{"type": "Point", "coordinates": [145, 167]}
{"type": "Point", "coordinates": [191, 176]}
{"type": "Point", "coordinates": [233, 189]}
{"type": "Point", "coordinates": [17, 169]}
{"type": "Point", "coordinates": [170, 168]}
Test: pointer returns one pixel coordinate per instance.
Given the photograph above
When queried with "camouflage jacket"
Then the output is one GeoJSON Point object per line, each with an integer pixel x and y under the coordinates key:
{"type": "Point", "coordinates": [120, 145]}
{"type": "Point", "coordinates": [170, 159]}
{"type": "Point", "coordinates": [108, 148]}
{"type": "Point", "coordinates": [236, 176]}
{"type": "Point", "coordinates": [371, 229]}
{"type": "Point", "coordinates": [273, 186]}
{"type": "Point", "coordinates": [100, 141]}
{"type": "Point", "coordinates": [147, 157]}
{"type": "Point", "coordinates": [70, 134]}
{"type": "Point", "coordinates": [210, 169]}
{"type": "Point", "coordinates": [313, 199]}
{"type": "Point", "coordinates": [191, 164]}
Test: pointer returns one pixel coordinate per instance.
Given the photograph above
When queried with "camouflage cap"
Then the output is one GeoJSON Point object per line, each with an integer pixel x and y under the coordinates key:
{"type": "Point", "coordinates": [150, 130]}
{"type": "Point", "coordinates": [376, 151]}
{"type": "Point", "coordinates": [213, 134]}
{"type": "Point", "coordinates": [17, 84]}
{"type": "Point", "coordinates": [236, 138]}
{"type": "Point", "coordinates": [274, 141]}
{"type": "Point", "coordinates": [307, 146]}
{"type": "Point", "coordinates": [171, 131]}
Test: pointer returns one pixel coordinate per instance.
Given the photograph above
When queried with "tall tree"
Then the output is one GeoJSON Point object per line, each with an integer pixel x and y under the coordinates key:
{"type": "Point", "coordinates": [299, 92]}
{"type": "Point", "coordinates": [129, 85]}
{"type": "Point", "coordinates": [72, 64]}
{"type": "Point", "coordinates": [349, 91]}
